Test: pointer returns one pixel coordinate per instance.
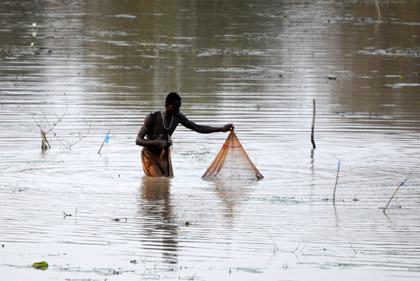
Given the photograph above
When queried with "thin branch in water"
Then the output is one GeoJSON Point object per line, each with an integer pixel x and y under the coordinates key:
{"type": "Point", "coordinates": [15, 189]}
{"type": "Point", "coordinates": [44, 132]}
{"type": "Point", "coordinates": [157, 49]}
{"type": "Point", "coordinates": [336, 180]}
{"type": "Point", "coordinates": [354, 250]}
{"type": "Point", "coordinates": [70, 145]}
{"type": "Point", "coordinates": [144, 262]}
{"type": "Point", "coordinates": [276, 249]}
{"type": "Point", "coordinates": [378, 10]}
{"type": "Point", "coordinates": [396, 190]}
{"type": "Point", "coordinates": [304, 246]}
{"type": "Point", "coordinates": [313, 125]}
{"type": "Point", "coordinates": [157, 43]}
{"type": "Point", "coordinates": [106, 137]}
{"type": "Point", "coordinates": [46, 119]}
{"type": "Point", "coordinates": [297, 248]}
{"type": "Point", "coordinates": [58, 120]}
{"type": "Point", "coordinates": [66, 215]}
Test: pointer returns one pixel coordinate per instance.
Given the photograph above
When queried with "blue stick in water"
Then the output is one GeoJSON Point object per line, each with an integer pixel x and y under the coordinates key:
{"type": "Point", "coordinates": [398, 187]}
{"type": "Point", "coordinates": [106, 139]}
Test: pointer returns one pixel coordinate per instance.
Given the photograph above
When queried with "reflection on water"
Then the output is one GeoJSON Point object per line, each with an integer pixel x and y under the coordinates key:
{"type": "Point", "coordinates": [231, 193]}
{"type": "Point", "coordinates": [156, 207]}
{"type": "Point", "coordinates": [103, 66]}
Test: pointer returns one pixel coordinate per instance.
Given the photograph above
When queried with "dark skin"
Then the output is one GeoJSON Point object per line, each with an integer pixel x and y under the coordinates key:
{"type": "Point", "coordinates": [153, 135]}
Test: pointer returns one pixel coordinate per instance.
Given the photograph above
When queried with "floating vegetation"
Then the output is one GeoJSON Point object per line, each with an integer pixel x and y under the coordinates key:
{"type": "Point", "coordinates": [286, 200]}
{"type": "Point", "coordinates": [250, 269]}
{"type": "Point", "coordinates": [401, 85]}
{"type": "Point", "coordinates": [394, 51]}
{"type": "Point", "coordinates": [206, 52]}
{"type": "Point", "coordinates": [110, 271]}
{"type": "Point", "coordinates": [43, 265]}
{"type": "Point", "coordinates": [338, 265]}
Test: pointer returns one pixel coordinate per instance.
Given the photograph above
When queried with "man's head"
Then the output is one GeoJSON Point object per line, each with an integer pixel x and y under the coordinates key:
{"type": "Point", "coordinates": [172, 103]}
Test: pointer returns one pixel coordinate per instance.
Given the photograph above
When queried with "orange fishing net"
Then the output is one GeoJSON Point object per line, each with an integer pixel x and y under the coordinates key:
{"type": "Point", "coordinates": [232, 162]}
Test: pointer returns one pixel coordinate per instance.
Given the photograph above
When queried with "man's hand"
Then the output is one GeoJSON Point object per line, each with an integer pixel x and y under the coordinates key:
{"type": "Point", "coordinates": [227, 127]}
{"type": "Point", "coordinates": [161, 144]}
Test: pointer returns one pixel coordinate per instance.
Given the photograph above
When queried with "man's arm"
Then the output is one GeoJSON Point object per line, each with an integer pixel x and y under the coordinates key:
{"type": "Point", "coordinates": [145, 129]}
{"type": "Point", "coordinates": [205, 129]}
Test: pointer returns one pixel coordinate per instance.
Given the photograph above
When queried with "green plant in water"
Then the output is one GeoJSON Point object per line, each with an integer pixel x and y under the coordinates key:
{"type": "Point", "coordinates": [43, 265]}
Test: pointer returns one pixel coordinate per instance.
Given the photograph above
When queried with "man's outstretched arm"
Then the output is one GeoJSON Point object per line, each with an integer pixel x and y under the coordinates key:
{"type": "Point", "coordinates": [206, 129]}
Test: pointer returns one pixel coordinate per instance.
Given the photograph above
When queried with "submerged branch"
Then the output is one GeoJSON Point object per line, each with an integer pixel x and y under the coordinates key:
{"type": "Point", "coordinates": [50, 129]}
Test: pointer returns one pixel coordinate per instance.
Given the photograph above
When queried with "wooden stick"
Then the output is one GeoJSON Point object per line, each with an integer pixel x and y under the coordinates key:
{"type": "Point", "coordinates": [45, 143]}
{"type": "Point", "coordinates": [99, 152]}
{"type": "Point", "coordinates": [398, 187]}
{"type": "Point", "coordinates": [170, 170]}
{"type": "Point", "coordinates": [378, 10]}
{"type": "Point", "coordinates": [313, 125]}
{"type": "Point", "coordinates": [336, 180]}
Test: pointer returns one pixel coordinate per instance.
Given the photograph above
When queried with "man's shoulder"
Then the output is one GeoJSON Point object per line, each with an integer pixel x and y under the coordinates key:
{"type": "Point", "coordinates": [150, 119]}
{"type": "Point", "coordinates": [181, 117]}
{"type": "Point", "coordinates": [153, 115]}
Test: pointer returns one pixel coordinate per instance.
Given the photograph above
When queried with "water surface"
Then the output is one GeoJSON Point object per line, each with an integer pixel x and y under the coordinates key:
{"type": "Point", "coordinates": [102, 66]}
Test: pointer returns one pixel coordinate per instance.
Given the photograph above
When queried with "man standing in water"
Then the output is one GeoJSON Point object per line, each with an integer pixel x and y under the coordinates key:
{"type": "Point", "coordinates": [155, 136]}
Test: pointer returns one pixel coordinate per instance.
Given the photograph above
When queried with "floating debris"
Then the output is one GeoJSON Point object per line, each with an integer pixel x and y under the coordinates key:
{"type": "Point", "coordinates": [120, 219]}
{"type": "Point", "coordinates": [400, 85]}
{"type": "Point", "coordinates": [402, 52]}
{"type": "Point", "coordinates": [43, 265]}
{"type": "Point", "coordinates": [66, 215]}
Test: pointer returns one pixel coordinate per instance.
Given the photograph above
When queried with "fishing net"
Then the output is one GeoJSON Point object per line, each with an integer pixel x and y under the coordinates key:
{"type": "Point", "coordinates": [232, 162]}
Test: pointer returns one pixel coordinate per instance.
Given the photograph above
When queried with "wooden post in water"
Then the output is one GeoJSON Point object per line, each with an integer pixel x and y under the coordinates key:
{"type": "Point", "coordinates": [396, 190]}
{"type": "Point", "coordinates": [313, 125]}
{"type": "Point", "coordinates": [336, 180]}
{"type": "Point", "coordinates": [378, 10]}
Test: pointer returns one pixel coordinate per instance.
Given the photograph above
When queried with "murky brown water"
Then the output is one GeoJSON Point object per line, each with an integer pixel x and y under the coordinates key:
{"type": "Point", "coordinates": [103, 65]}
